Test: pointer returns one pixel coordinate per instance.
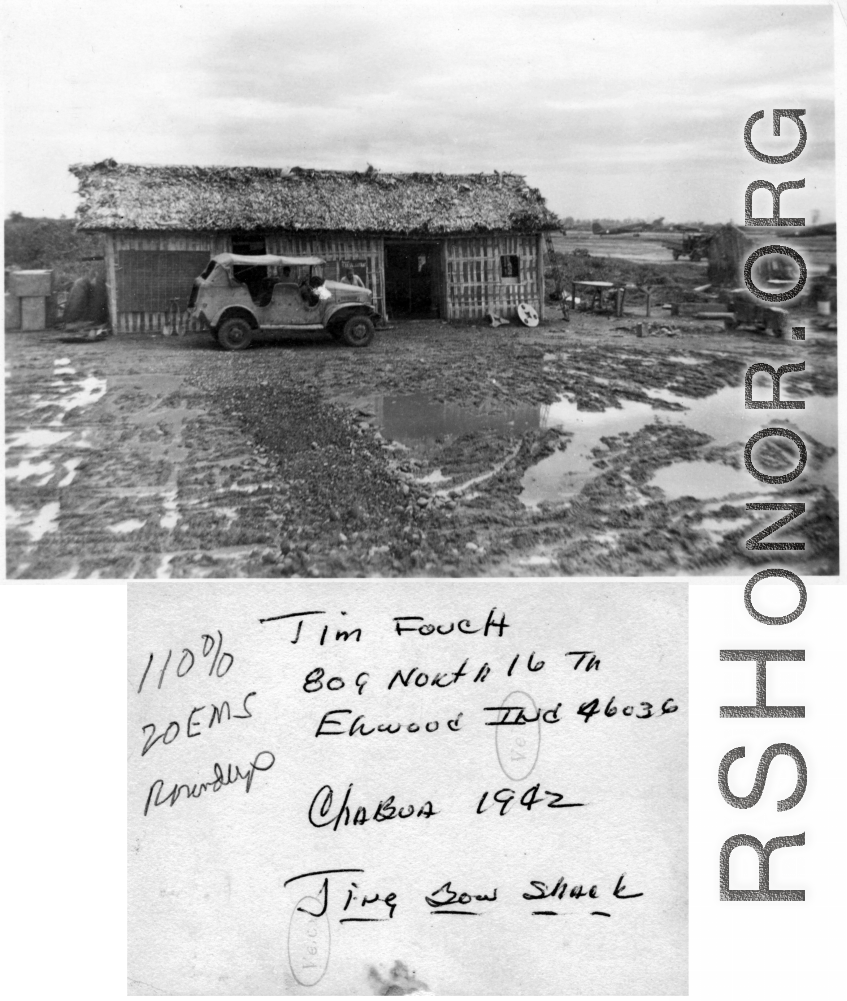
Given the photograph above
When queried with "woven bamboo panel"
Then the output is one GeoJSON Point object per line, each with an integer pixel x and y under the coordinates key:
{"type": "Point", "coordinates": [336, 250]}
{"type": "Point", "coordinates": [212, 243]}
{"type": "Point", "coordinates": [150, 323]}
{"type": "Point", "coordinates": [474, 276]}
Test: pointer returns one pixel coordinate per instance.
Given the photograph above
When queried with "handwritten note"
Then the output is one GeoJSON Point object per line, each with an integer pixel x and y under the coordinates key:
{"type": "Point", "coordinates": [371, 787]}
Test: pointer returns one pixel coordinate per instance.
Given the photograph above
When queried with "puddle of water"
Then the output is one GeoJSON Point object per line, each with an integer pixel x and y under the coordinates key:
{"type": "Point", "coordinates": [416, 420]}
{"type": "Point", "coordinates": [91, 390]}
{"type": "Point", "coordinates": [703, 480]}
{"type": "Point", "coordinates": [684, 359]}
{"type": "Point", "coordinates": [36, 438]}
{"type": "Point", "coordinates": [62, 361]}
{"type": "Point", "coordinates": [71, 465]}
{"type": "Point", "coordinates": [125, 527]}
{"type": "Point", "coordinates": [171, 516]}
{"type": "Point", "coordinates": [231, 515]}
{"type": "Point", "coordinates": [722, 416]}
{"type": "Point", "coordinates": [717, 528]}
{"type": "Point", "coordinates": [163, 570]}
{"type": "Point", "coordinates": [25, 469]}
{"type": "Point", "coordinates": [565, 473]}
{"type": "Point", "coordinates": [64, 371]}
{"type": "Point", "coordinates": [46, 520]}
{"type": "Point", "coordinates": [436, 476]}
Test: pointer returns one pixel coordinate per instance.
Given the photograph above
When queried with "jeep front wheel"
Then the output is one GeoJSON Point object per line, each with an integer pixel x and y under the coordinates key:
{"type": "Point", "coordinates": [358, 332]}
{"type": "Point", "coordinates": [235, 334]}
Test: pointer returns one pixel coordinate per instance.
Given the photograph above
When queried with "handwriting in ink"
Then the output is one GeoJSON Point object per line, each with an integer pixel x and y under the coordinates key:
{"type": "Point", "coordinates": [329, 726]}
{"type": "Point", "coordinates": [345, 895]}
{"type": "Point", "coordinates": [352, 901]}
{"type": "Point", "coordinates": [461, 626]}
{"type": "Point", "coordinates": [446, 896]}
{"type": "Point", "coordinates": [417, 678]}
{"type": "Point", "coordinates": [219, 665]}
{"type": "Point", "coordinates": [504, 798]}
{"type": "Point", "coordinates": [517, 715]}
{"type": "Point", "coordinates": [560, 890]}
{"type": "Point", "coordinates": [341, 635]}
{"type": "Point", "coordinates": [314, 681]}
{"type": "Point", "coordinates": [592, 664]}
{"type": "Point", "coordinates": [592, 708]}
{"type": "Point", "coordinates": [194, 723]}
{"type": "Point", "coordinates": [532, 664]}
{"type": "Point", "coordinates": [322, 814]}
{"type": "Point", "coordinates": [263, 761]}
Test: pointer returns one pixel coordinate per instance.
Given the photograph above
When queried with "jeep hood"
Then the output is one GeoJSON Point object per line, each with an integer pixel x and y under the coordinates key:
{"type": "Point", "coordinates": [336, 287]}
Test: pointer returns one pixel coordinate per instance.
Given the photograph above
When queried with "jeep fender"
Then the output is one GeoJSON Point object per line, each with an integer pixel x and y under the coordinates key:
{"type": "Point", "coordinates": [344, 310]}
{"type": "Point", "coordinates": [233, 312]}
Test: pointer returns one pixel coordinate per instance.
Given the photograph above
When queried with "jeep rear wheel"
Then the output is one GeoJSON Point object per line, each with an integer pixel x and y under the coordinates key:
{"type": "Point", "coordinates": [235, 334]}
{"type": "Point", "coordinates": [358, 332]}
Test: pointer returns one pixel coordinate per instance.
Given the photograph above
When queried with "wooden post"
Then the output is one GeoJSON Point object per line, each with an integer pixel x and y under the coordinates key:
{"type": "Point", "coordinates": [444, 287]}
{"type": "Point", "coordinates": [380, 263]}
{"type": "Point", "coordinates": [111, 282]}
{"type": "Point", "coordinates": [539, 267]}
{"type": "Point", "coordinates": [649, 300]}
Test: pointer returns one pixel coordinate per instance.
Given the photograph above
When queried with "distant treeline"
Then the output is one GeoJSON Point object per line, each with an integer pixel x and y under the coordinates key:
{"type": "Point", "coordinates": [32, 243]}
{"type": "Point", "coordinates": [568, 222]}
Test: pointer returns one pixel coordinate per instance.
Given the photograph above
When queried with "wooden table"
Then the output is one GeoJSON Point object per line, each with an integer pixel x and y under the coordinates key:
{"type": "Point", "coordinates": [597, 289]}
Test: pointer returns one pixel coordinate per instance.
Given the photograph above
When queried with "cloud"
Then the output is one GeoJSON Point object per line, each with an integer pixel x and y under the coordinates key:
{"type": "Point", "coordinates": [609, 110]}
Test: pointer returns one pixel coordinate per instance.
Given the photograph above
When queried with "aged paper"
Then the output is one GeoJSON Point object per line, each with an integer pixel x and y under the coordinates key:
{"type": "Point", "coordinates": [453, 788]}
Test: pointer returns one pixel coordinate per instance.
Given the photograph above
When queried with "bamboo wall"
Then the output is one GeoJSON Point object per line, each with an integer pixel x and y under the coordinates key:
{"type": "Point", "coordinates": [337, 248]}
{"type": "Point", "coordinates": [341, 248]}
{"type": "Point", "coordinates": [473, 276]}
{"type": "Point", "coordinates": [470, 272]}
{"type": "Point", "coordinates": [145, 321]}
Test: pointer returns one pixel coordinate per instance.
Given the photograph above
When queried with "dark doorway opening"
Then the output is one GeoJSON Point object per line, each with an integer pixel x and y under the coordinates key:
{"type": "Point", "coordinates": [253, 277]}
{"type": "Point", "coordinates": [412, 279]}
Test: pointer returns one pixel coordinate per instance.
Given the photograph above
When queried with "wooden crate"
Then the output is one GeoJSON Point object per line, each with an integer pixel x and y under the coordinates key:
{"type": "Point", "coordinates": [33, 312]}
{"type": "Point", "coordinates": [30, 283]}
{"type": "Point", "coordinates": [13, 312]}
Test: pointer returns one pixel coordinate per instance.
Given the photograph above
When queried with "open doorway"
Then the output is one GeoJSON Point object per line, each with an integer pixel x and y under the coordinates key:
{"type": "Point", "coordinates": [412, 279]}
{"type": "Point", "coordinates": [253, 277]}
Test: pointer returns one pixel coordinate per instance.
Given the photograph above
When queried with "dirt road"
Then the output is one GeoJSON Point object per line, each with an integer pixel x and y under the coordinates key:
{"type": "Point", "coordinates": [571, 449]}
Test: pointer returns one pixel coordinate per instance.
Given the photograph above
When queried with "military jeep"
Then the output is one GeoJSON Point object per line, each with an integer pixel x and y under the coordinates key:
{"type": "Point", "coordinates": [238, 297]}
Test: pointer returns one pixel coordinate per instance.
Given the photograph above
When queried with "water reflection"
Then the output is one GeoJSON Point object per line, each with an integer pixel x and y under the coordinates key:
{"type": "Point", "coordinates": [416, 419]}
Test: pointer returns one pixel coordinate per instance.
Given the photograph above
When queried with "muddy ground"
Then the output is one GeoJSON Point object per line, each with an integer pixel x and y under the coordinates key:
{"type": "Point", "coordinates": [142, 456]}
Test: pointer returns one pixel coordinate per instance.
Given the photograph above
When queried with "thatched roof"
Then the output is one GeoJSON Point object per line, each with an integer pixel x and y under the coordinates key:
{"type": "Point", "coordinates": [124, 196]}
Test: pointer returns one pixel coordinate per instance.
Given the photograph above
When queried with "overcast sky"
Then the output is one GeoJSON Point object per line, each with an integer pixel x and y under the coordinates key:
{"type": "Point", "coordinates": [627, 111]}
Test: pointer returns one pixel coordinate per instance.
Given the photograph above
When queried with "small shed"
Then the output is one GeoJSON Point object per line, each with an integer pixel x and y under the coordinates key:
{"type": "Point", "coordinates": [429, 245]}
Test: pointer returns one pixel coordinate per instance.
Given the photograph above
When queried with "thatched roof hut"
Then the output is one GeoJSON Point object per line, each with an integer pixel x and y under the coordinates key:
{"type": "Point", "coordinates": [446, 245]}
{"type": "Point", "coordinates": [125, 196]}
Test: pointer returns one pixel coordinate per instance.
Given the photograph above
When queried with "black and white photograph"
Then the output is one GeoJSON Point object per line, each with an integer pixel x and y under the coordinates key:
{"type": "Point", "coordinates": [313, 290]}
{"type": "Point", "coordinates": [421, 548]}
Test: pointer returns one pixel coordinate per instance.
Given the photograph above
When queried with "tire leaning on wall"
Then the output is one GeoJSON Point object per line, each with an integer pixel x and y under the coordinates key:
{"type": "Point", "coordinates": [79, 301]}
